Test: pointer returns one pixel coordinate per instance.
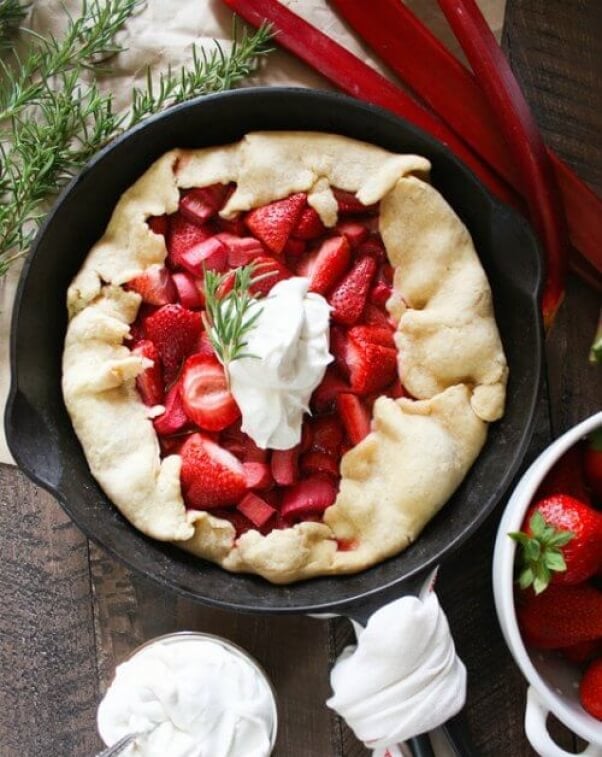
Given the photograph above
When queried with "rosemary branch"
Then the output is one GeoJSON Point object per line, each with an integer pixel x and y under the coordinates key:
{"type": "Point", "coordinates": [52, 122]}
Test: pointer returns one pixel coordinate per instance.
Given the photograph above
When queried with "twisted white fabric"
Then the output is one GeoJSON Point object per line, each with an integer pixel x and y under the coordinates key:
{"type": "Point", "coordinates": [403, 678]}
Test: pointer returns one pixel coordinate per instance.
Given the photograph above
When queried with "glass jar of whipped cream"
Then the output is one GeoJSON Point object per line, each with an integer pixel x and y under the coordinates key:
{"type": "Point", "coordinates": [190, 694]}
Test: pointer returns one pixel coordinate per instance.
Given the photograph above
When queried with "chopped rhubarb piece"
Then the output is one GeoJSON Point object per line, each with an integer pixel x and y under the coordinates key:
{"type": "Point", "coordinates": [212, 254]}
{"type": "Point", "coordinates": [309, 225]}
{"type": "Point", "coordinates": [355, 232]}
{"type": "Point", "coordinates": [255, 509]}
{"type": "Point", "coordinates": [372, 335]}
{"type": "Point", "coordinates": [241, 445]}
{"type": "Point", "coordinates": [205, 394]}
{"type": "Point", "coordinates": [183, 235]}
{"type": "Point", "coordinates": [284, 465]}
{"type": "Point", "coordinates": [272, 270]}
{"type": "Point", "coordinates": [348, 299]}
{"type": "Point", "coordinates": [294, 247]}
{"type": "Point", "coordinates": [258, 475]}
{"type": "Point", "coordinates": [158, 224]}
{"type": "Point", "coordinates": [371, 365]}
{"type": "Point", "coordinates": [200, 204]}
{"type": "Point", "coordinates": [319, 462]}
{"type": "Point", "coordinates": [241, 250]}
{"type": "Point", "coordinates": [331, 261]}
{"type": "Point", "coordinates": [155, 286]}
{"type": "Point", "coordinates": [324, 397]}
{"type": "Point", "coordinates": [174, 418]}
{"type": "Point", "coordinates": [374, 248]}
{"type": "Point", "coordinates": [327, 435]}
{"type": "Point", "coordinates": [380, 293]}
{"type": "Point", "coordinates": [190, 290]}
{"type": "Point", "coordinates": [210, 476]}
{"type": "Point", "coordinates": [150, 382]}
{"type": "Point", "coordinates": [272, 224]}
{"type": "Point", "coordinates": [349, 204]}
{"type": "Point", "coordinates": [241, 523]}
{"type": "Point", "coordinates": [355, 417]}
{"type": "Point", "coordinates": [309, 497]}
{"type": "Point", "coordinates": [174, 330]}
{"type": "Point", "coordinates": [374, 316]}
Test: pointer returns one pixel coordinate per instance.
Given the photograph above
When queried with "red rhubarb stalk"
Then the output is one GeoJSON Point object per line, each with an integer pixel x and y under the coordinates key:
{"type": "Point", "coordinates": [359, 80]}
{"type": "Point", "coordinates": [403, 42]}
{"type": "Point", "coordinates": [523, 137]}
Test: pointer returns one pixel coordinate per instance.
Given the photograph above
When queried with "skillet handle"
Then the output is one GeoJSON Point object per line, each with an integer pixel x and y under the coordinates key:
{"type": "Point", "coordinates": [421, 746]}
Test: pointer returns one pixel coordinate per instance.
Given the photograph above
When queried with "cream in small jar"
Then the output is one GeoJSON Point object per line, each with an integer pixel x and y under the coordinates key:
{"type": "Point", "coordinates": [195, 695]}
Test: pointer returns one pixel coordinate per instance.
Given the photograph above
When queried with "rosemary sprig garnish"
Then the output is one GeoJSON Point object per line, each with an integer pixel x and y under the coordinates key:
{"type": "Point", "coordinates": [52, 122]}
{"type": "Point", "coordinates": [229, 317]}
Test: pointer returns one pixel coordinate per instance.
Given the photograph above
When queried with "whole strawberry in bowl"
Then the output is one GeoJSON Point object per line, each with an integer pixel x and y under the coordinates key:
{"type": "Point", "coordinates": [546, 579]}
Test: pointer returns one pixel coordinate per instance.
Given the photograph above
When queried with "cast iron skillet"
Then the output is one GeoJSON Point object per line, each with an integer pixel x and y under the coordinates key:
{"type": "Point", "coordinates": [38, 428]}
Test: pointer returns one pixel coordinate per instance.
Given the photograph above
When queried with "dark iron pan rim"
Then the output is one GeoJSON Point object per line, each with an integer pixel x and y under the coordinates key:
{"type": "Point", "coordinates": [368, 595]}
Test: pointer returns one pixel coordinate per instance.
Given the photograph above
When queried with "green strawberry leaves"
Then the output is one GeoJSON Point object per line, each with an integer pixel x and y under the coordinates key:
{"type": "Point", "coordinates": [541, 553]}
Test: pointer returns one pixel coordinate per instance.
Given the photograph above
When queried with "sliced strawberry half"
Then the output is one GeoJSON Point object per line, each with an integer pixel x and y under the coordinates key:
{"type": "Point", "coordinates": [372, 335]}
{"type": "Point", "coordinates": [355, 232]}
{"type": "Point", "coordinates": [158, 224]}
{"type": "Point", "coordinates": [255, 509]}
{"type": "Point", "coordinates": [211, 255]}
{"type": "Point", "coordinates": [241, 250]}
{"type": "Point", "coordinates": [150, 382]}
{"type": "Point", "coordinates": [355, 417]}
{"type": "Point", "coordinates": [295, 247]}
{"type": "Point", "coordinates": [309, 225]}
{"type": "Point", "coordinates": [190, 290]}
{"type": "Point", "coordinates": [284, 465]}
{"type": "Point", "coordinates": [155, 286]}
{"type": "Point", "coordinates": [329, 264]}
{"type": "Point", "coordinates": [348, 203]}
{"type": "Point", "coordinates": [258, 475]}
{"type": "Point", "coordinates": [207, 400]}
{"type": "Point", "coordinates": [272, 272]}
{"type": "Point", "coordinates": [349, 297]}
{"type": "Point", "coordinates": [183, 235]}
{"type": "Point", "coordinates": [210, 476]}
{"type": "Point", "coordinates": [327, 435]}
{"type": "Point", "coordinates": [273, 224]}
{"type": "Point", "coordinates": [309, 497]}
{"type": "Point", "coordinates": [174, 418]}
{"type": "Point", "coordinates": [374, 316]}
{"type": "Point", "coordinates": [374, 248]}
{"type": "Point", "coordinates": [200, 204]}
{"type": "Point", "coordinates": [380, 293]}
{"type": "Point", "coordinates": [174, 331]}
{"type": "Point", "coordinates": [371, 366]}
{"type": "Point", "coordinates": [324, 397]}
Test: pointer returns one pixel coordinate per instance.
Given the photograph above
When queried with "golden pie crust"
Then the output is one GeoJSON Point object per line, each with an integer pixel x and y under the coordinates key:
{"type": "Point", "coordinates": [450, 356]}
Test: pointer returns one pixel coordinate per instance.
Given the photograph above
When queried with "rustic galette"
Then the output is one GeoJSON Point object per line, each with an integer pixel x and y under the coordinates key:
{"type": "Point", "coordinates": [282, 354]}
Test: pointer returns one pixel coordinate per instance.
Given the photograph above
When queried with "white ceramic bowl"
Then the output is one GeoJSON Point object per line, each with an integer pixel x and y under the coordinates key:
{"type": "Point", "coordinates": [553, 682]}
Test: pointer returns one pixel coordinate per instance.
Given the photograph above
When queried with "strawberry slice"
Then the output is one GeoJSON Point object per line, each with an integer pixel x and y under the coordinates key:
{"type": "Point", "coordinates": [255, 509]}
{"type": "Point", "coordinates": [198, 205]}
{"type": "Point", "coordinates": [348, 299]}
{"type": "Point", "coordinates": [272, 224]}
{"type": "Point", "coordinates": [355, 417]}
{"type": "Point", "coordinates": [241, 445]}
{"type": "Point", "coordinates": [258, 475]}
{"type": "Point", "coordinates": [309, 497]}
{"type": "Point", "coordinates": [380, 293]}
{"type": "Point", "coordinates": [204, 345]}
{"type": "Point", "coordinates": [374, 316]}
{"type": "Point", "coordinates": [330, 263]}
{"type": "Point", "coordinates": [150, 382]}
{"type": "Point", "coordinates": [210, 476]}
{"type": "Point", "coordinates": [174, 418]}
{"type": "Point", "coordinates": [355, 232]}
{"type": "Point", "coordinates": [174, 330]}
{"type": "Point", "coordinates": [373, 247]}
{"type": "Point", "coordinates": [371, 366]}
{"type": "Point", "coordinates": [284, 465]}
{"type": "Point", "coordinates": [190, 291]}
{"type": "Point", "coordinates": [272, 270]}
{"type": "Point", "coordinates": [349, 204]}
{"type": "Point", "coordinates": [372, 335]}
{"type": "Point", "coordinates": [155, 286]}
{"type": "Point", "coordinates": [294, 247]}
{"type": "Point", "coordinates": [234, 226]}
{"type": "Point", "coordinates": [158, 224]}
{"type": "Point", "coordinates": [207, 400]}
{"type": "Point", "coordinates": [324, 397]}
{"type": "Point", "coordinates": [212, 255]}
{"type": "Point", "coordinates": [319, 462]}
{"type": "Point", "coordinates": [183, 235]}
{"type": "Point", "coordinates": [241, 250]}
{"type": "Point", "coordinates": [309, 225]}
{"type": "Point", "coordinates": [327, 435]}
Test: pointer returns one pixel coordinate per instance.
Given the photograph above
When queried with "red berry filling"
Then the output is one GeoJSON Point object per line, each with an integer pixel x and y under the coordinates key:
{"type": "Point", "coordinates": [223, 470]}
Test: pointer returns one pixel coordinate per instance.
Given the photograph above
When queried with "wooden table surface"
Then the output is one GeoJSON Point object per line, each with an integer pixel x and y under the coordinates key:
{"type": "Point", "coordinates": [70, 613]}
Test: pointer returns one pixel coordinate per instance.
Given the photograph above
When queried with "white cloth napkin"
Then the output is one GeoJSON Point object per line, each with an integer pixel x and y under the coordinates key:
{"type": "Point", "coordinates": [163, 33]}
{"type": "Point", "coordinates": [403, 678]}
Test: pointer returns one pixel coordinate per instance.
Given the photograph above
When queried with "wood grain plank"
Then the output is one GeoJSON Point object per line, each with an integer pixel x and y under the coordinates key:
{"type": "Point", "coordinates": [48, 688]}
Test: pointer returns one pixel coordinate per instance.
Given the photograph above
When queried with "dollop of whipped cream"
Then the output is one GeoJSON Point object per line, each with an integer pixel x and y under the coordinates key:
{"type": "Point", "coordinates": [199, 698]}
{"type": "Point", "coordinates": [290, 340]}
{"type": "Point", "coordinates": [403, 678]}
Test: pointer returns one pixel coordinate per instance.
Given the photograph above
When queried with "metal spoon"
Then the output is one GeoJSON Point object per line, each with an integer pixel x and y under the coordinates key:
{"type": "Point", "coordinates": [119, 746]}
